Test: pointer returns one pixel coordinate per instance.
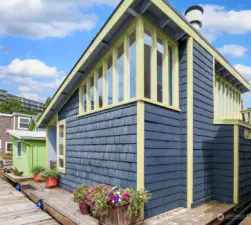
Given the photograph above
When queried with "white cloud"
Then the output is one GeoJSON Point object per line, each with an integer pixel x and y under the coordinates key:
{"type": "Point", "coordinates": [233, 50]}
{"type": "Point", "coordinates": [245, 71]}
{"type": "Point", "coordinates": [29, 68]}
{"type": "Point", "coordinates": [47, 18]}
{"type": "Point", "coordinates": [33, 78]}
{"type": "Point", "coordinates": [217, 20]}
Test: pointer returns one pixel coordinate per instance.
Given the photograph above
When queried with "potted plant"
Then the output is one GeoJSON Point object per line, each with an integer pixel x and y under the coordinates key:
{"type": "Point", "coordinates": [1, 161]}
{"type": "Point", "coordinates": [37, 170]}
{"type": "Point", "coordinates": [51, 178]}
{"type": "Point", "coordinates": [98, 199]}
{"type": "Point", "coordinates": [125, 207]}
{"type": "Point", "coordinates": [80, 196]}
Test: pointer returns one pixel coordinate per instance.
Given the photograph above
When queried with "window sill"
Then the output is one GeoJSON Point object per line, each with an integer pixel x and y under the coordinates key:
{"type": "Point", "coordinates": [127, 102]}
{"type": "Point", "coordinates": [61, 170]}
{"type": "Point", "coordinates": [232, 122]}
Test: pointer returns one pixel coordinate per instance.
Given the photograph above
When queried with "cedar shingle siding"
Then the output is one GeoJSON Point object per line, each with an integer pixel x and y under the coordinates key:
{"type": "Point", "coordinates": [101, 147]}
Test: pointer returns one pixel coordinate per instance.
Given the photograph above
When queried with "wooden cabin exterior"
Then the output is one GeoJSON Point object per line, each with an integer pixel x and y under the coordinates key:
{"type": "Point", "coordinates": [151, 104]}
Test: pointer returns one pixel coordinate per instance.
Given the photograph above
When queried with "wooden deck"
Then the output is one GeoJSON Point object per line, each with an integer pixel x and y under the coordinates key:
{"type": "Point", "coordinates": [16, 209]}
{"type": "Point", "coordinates": [16, 179]}
{"type": "Point", "coordinates": [58, 203]}
{"type": "Point", "coordinates": [206, 214]}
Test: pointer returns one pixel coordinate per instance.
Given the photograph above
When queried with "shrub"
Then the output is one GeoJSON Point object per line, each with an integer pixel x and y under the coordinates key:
{"type": "Point", "coordinates": [50, 173]}
{"type": "Point", "coordinates": [37, 169]}
{"type": "Point", "coordinates": [80, 193]}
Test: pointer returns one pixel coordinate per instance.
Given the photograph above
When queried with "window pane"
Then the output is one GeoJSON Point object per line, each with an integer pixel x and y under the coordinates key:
{"type": "Point", "coordinates": [61, 163]}
{"type": "Point", "coordinates": [120, 72]}
{"type": "Point", "coordinates": [61, 131]}
{"type": "Point", "coordinates": [92, 92]}
{"type": "Point", "coordinates": [9, 147]}
{"type": "Point", "coordinates": [147, 62]}
{"type": "Point", "coordinates": [170, 77]}
{"type": "Point", "coordinates": [160, 55]}
{"type": "Point", "coordinates": [109, 81]}
{"type": "Point", "coordinates": [132, 64]}
{"type": "Point", "coordinates": [100, 87]}
{"type": "Point", "coordinates": [61, 149]}
{"type": "Point", "coordinates": [23, 125]}
{"type": "Point", "coordinates": [84, 98]}
{"type": "Point", "coordinates": [24, 120]}
{"type": "Point", "coordinates": [19, 148]}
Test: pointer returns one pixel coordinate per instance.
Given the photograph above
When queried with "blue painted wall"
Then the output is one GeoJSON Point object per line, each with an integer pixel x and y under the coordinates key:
{"type": "Point", "coordinates": [162, 159]}
{"type": "Point", "coordinates": [101, 147]}
{"type": "Point", "coordinates": [245, 167]}
{"type": "Point", "coordinates": [52, 144]}
{"type": "Point", "coordinates": [203, 124]}
{"type": "Point", "coordinates": [222, 146]}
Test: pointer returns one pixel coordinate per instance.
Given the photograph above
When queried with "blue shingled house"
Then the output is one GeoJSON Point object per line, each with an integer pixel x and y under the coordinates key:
{"type": "Point", "coordinates": [151, 104]}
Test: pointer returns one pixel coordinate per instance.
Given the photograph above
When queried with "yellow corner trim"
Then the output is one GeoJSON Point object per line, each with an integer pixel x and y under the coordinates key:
{"type": "Point", "coordinates": [189, 122]}
{"type": "Point", "coordinates": [236, 164]}
{"type": "Point", "coordinates": [140, 145]}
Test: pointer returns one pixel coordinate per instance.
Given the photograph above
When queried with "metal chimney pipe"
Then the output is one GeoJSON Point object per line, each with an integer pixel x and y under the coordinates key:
{"type": "Point", "coordinates": [194, 15]}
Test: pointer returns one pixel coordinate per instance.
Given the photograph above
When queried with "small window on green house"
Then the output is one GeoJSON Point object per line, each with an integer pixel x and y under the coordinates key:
{"type": "Point", "coordinates": [19, 149]}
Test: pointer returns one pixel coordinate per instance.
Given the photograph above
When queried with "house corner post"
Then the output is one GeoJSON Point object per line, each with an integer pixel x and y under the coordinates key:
{"type": "Point", "coordinates": [189, 122]}
{"type": "Point", "coordinates": [236, 165]}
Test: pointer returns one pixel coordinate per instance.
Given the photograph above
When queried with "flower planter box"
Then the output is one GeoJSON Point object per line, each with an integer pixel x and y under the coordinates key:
{"type": "Point", "coordinates": [117, 215]}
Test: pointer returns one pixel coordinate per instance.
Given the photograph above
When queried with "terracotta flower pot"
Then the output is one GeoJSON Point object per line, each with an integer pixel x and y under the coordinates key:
{"type": "Point", "coordinates": [51, 182]}
{"type": "Point", "coordinates": [84, 208]}
{"type": "Point", "coordinates": [37, 177]}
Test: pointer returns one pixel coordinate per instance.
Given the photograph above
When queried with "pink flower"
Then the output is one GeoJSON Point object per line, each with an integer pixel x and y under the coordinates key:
{"type": "Point", "coordinates": [126, 195]}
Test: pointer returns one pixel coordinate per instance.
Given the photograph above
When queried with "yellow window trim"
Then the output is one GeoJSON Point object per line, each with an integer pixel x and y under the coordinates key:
{"type": "Point", "coordinates": [59, 123]}
{"type": "Point", "coordinates": [130, 101]}
{"type": "Point", "coordinates": [138, 24]}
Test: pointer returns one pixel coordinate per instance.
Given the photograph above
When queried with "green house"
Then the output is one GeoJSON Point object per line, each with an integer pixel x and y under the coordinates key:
{"type": "Point", "coordinates": [29, 150]}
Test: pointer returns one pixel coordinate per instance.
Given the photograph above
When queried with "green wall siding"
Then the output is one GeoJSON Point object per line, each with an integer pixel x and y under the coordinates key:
{"type": "Point", "coordinates": [33, 154]}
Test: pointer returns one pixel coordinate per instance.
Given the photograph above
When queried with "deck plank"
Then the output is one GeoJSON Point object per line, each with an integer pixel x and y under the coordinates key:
{"type": "Point", "coordinates": [17, 209]}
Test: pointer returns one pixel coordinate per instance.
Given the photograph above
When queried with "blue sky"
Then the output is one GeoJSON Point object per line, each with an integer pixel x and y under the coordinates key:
{"type": "Point", "coordinates": [41, 40]}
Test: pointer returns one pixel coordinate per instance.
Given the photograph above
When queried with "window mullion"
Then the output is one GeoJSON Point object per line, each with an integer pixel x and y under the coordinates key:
{"type": "Point", "coordinates": [165, 74]}
{"type": "Point", "coordinates": [126, 68]}
{"type": "Point", "coordinates": [96, 103]}
{"type": "Point", "coordinates": [140, 80]}
{"type": "Point", "coordinates": [154, 67]}
{"type": "Point", "coordinates": [88, 100]}
{"type": "Point", "coordinates": [104, 83]}
{"type": "Point", "coordinates": [115, 77]}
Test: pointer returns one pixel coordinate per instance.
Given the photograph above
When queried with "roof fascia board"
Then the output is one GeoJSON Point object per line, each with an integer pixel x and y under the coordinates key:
{"type": "Point", "coordinates": [99, 38]}
{"type": "Point", "coordinates": [185, 26]}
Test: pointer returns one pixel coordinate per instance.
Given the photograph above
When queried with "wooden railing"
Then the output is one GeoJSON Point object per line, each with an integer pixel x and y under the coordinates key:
{"type": "Point", "coordinates": [246, 116]}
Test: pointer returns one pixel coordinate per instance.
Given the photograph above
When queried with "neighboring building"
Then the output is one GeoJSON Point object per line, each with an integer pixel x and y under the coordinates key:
{"type": "Point", "coordinates": [29, 150]}
{"type": "Point", "coordinates": [15, 121]}
{"type": "Point", "coordinates": [28, 104]}
{"type": "Point", "coordinates": [151, 104]}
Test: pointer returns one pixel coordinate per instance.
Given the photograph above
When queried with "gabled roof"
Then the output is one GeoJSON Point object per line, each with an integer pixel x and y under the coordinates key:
{"type": "Point", "coordinates": [27, 135]}
{"type": "Point", "coordinates": [161, 14]}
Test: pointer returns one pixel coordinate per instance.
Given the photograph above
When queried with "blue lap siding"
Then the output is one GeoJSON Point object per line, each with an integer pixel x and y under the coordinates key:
{"type": "Point", "coordinates": [101, 147]}
{"type": "Point", "coordinates": [162, 159]}
{"type": "Point", "coordinates": [203, 124]}
{"type": "Point", "coordinates": [245, 167]}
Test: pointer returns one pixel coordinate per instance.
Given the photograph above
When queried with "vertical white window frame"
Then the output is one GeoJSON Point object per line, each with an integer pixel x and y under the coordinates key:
{"type": "Point", "coordinates": [6, 146]}
{"type": "Point", "coordinates": [61, 169]}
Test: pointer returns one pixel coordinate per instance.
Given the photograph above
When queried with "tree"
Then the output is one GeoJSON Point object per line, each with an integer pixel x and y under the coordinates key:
{"type": "Point", "coordinates": [14, 105]}
{"type": "Point", "coordinates": [47, 101]}
{"type": "Point", "coordinates": [11, 105]}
